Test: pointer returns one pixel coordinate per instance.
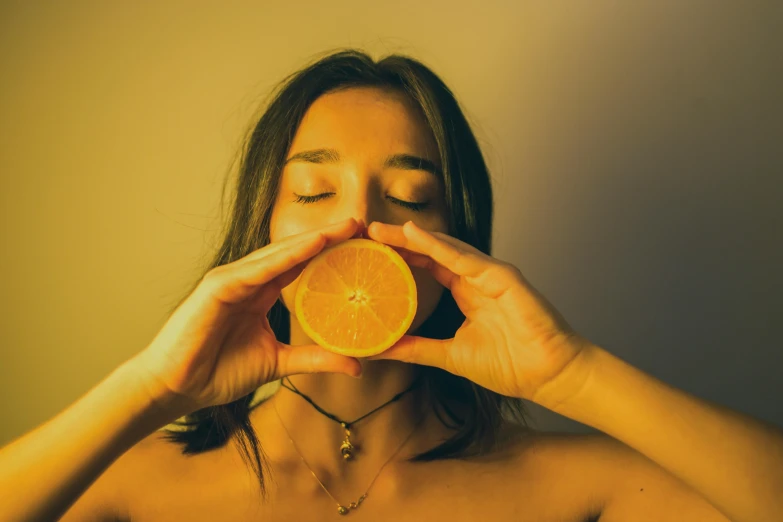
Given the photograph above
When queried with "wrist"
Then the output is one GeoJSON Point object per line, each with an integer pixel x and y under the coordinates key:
{"type": "Point", "coordinates": [160, 406]}
{"type": "Point", "coordinates": [572, 380]}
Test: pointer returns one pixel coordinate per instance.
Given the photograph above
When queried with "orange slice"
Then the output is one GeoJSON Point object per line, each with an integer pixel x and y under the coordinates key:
{"type": "Point", "coordinates": [356, 298]}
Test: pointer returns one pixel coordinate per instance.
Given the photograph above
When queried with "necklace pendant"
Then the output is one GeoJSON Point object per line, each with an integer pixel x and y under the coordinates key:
{"type": "Point", "coordinates": [342, 510]}
{"type": "Point", "coordinates": [346, 450]}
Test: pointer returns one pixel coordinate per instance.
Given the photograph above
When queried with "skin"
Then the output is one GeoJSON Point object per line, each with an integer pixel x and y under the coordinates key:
{"type": "Point", "coordinates": [558, 477]}
{"type": "Point", "coordinates": [365, 125]}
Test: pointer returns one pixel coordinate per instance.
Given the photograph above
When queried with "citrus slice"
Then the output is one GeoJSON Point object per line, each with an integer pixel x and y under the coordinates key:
{"type": "Point", "coordinates": [356, 298]}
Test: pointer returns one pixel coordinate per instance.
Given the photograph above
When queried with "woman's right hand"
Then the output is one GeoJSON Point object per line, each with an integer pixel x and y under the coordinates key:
{"type": "Point", "coordinates": [218, 345]}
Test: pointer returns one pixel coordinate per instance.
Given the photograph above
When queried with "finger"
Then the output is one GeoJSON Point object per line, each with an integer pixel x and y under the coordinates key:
{"type": "Point", "coordinates": [460, 258]}
{"type": "Point", "coordinates": [457, 243]}
{"type": "Point", "coordinates": [267, 294]}
{"type": "Point", "coordinates": [442, 275]}
{"type": "Point", "coordinates": [313, 359]}
{"type": "Point", "coordinates": [334, 233]}
{"type": "Point", "coordinates": [393, 234]}
{"type": "Point", "coordinates": [418, 350]}
{"type": "Point", "coordinates": [233, 283]}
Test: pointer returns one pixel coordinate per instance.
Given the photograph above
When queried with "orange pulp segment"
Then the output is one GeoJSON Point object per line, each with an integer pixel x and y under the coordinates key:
{"type": "Point", "coordinates": [356, 298]}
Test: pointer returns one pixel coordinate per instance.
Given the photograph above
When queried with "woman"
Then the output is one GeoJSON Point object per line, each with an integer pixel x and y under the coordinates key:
{"type": "Point", "coordinates": [434, 427]}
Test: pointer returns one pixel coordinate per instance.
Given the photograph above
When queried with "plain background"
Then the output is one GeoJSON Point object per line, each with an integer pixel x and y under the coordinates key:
{"type": "Point", "coordinates": [636, 150]}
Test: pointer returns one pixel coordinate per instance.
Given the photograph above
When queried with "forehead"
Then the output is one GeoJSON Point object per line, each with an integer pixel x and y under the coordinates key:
{"type": "Point", "coordinates": [363, 122]}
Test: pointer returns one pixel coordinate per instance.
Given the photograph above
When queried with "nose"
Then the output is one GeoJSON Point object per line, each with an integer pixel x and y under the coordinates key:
{"type": "Point", "coordinates": [363, 203]}
{"type": "Point", "coordinates": [361, 231]}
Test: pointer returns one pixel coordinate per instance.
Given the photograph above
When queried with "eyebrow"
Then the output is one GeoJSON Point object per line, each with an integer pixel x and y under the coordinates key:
{"type": "Point", "coordinates": [395, 161]}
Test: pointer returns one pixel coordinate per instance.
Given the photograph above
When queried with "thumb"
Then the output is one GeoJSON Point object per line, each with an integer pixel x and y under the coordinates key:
{"type": "Point", "coordinates": [312, 358]}
{"type": "Point", "coordinates": [417, 350]}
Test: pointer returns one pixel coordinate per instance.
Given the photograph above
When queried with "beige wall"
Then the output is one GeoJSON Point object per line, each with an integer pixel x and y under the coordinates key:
{"type": "Point", "coordinates": [636, 148]}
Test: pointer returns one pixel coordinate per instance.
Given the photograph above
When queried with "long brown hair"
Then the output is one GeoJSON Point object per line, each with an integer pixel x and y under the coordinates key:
{"type": "Point", "coordinates": [475, 413]}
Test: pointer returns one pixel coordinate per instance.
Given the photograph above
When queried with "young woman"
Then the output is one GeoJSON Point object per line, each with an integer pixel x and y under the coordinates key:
{"type": "Point", "coordinates": [434, 427]}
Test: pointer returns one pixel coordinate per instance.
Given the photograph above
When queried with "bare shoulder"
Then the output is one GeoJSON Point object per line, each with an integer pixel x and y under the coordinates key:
{"type": "Point", "coordinates": [152, 457]}
{"type": "Point", "coordinates": [577, 462]}
{"type": "Point", "coordinates": [555, 475]}
{"type": "Point", "coordinates": [576, 450]}
{"type": "Point", "coordinates": [630, 485]}
{"type": "Point", "coordinates": [153, 463]}
{"type": "Point", "coordinates": [112, 495]}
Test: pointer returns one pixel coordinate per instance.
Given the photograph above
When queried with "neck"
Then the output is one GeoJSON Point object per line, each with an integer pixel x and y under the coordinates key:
{"type": "Point", "coordinates": [376, 437]}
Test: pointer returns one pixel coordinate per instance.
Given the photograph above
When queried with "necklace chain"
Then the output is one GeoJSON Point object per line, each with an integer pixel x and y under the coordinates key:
{"type": "Point", "coordinates": [347, 424]}
{"type": "Point", "coordinates": [344, 510]}
{"type": "Point", "coordinates": [347, 448]}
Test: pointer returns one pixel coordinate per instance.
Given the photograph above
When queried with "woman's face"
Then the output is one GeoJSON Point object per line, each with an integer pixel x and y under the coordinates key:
{"type": "Point", "coordinates": [363, 127]}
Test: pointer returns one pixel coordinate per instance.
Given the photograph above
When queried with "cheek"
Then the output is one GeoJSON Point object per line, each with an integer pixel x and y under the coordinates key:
{"type": "Point", "coordinates": [288, 293]}
{"type": "Point", "coordinates": [284, 224]}
{"type": "Point", "coordinates": [428, 292]}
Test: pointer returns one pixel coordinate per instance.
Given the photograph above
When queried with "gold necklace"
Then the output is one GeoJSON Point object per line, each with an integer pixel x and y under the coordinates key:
{"type": "Point", "coordinates": [344, 510]}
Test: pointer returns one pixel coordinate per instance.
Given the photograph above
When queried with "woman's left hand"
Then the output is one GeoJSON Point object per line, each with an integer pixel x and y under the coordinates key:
{"type": "Point", "coordinates": [512, 341]}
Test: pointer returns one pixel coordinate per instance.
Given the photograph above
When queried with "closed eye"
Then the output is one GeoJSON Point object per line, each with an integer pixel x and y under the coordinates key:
{"type": "Point", "coordinates": [312, 199]}
{"type": "Point", "coordinates": [412, 205]}
{"type": "Point", "coordinates": [416, 206]}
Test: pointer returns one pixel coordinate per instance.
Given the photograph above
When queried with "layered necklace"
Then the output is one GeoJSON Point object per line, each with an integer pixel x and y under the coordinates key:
{"type": "Point", "coordinates": [347, 449]}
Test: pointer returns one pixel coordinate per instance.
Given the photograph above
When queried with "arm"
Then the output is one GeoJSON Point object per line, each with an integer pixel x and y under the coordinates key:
{"type": "Point", "coordinates": [734, 461]}
{"type": "Point", "coordinates": [212, 350]}
{"type": "Point", "coordinates": [44, 472]}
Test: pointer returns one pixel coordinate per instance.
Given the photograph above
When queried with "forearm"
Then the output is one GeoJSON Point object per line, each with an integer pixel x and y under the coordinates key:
{"type": "Point", "coordinates": [735, 461]}
{"type": "Point", "coordinates": [45, 471]}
